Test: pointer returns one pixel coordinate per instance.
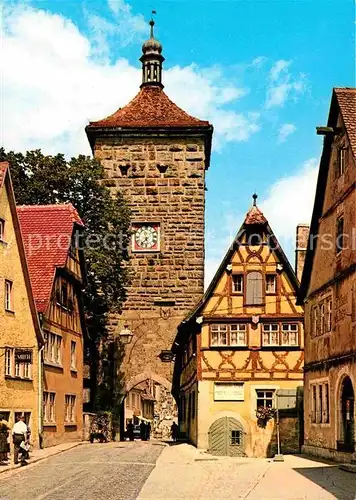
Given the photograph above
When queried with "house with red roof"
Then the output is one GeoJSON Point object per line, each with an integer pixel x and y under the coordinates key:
{"type": "Point", "coordinates": [51, 235]}
{"type": "Point", "coordinates": [328, 290]}
{"type": "Point", "coordinates": [21, 339]}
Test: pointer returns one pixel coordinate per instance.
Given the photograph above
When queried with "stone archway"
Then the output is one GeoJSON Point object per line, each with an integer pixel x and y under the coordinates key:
{"type": "Point", "coordinates": [346, 409]}
{"type": "Point", "coordinates": [149, 388]}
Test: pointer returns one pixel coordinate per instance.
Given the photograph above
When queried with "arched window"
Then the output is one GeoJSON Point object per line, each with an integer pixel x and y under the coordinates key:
{"type": "Point", "coordinates": [254, 288]}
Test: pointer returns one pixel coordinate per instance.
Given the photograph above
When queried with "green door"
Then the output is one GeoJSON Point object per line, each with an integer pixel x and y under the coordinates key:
{"type": "Point", "coordinates": [227, 438]}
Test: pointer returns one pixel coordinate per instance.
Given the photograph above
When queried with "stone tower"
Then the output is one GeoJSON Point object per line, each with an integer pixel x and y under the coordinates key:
{"type": "Point", "coordinates": [156, 155]}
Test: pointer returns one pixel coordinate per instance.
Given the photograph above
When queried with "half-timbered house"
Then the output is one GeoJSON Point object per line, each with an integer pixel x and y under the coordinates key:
{"type": "Point", "coordinates": [328, 291]}
{"type": "Point", "coordinates": [56, 263]}
{"type": "Point", "coordinates": [242, 344]}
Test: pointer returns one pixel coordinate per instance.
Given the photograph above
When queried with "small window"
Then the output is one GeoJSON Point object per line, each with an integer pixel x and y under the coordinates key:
{"type": "Point", "coordinates": [271, 334]}
{"type": "Point", "coordinates": [238, 334]}
{"type": "Point", "coordinates": [265, 398]}
{"type": "Point", "coordinates": [328, 322]}
{"type": "Point", "coordinates": [8, 295]}
{"type": "Point", "coordinates": [64, 295]}
{"type": "Point", "coordinates": [322, 318]}
{"type": "Point", "coordinates": [218, 334]}
{"type": "Point", "coordinates": [8, 362]}
{"type": "Point", "coordinates": [319, 408]}
{"type": "Point", "coordinates": [236, 438]}
{"type": "Point", "coordinates": [339, 234]}
{"type": "Point", "coordinates": [254, 240]}
{"type": "Point", "coordinates": [237, 283]}
{"type": "Point", "coordinates": [254, 295]}
{"type": "Point", "coordinates": [270, 283]}
{"type": "Point", "coordinates": [315, 319]}
{"type": "Point", "coordinates": [2, 230]}
{"type": "Point", "coordinates": [73, 354]}
{"type": "Point", "coordinates": [49, 407]}
{"type": "Point", "coordinates": [341, 161]}
{"type": "Point", "coordinates": [290, 334]}
{"type": "Point", "coordinates": [326, 412]}
{"type": "Point", "coordinates": [53, 348]}
{"type": "Point", "coordinates": [69, 410]}
{"type": "Point", "coordinates": [314, 404]}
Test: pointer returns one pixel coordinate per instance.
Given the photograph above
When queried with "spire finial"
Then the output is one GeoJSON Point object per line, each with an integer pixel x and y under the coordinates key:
{"type": "Point", "coordinates": [254, 196]}
{"type": "Point", "coordinates": [152, 23]}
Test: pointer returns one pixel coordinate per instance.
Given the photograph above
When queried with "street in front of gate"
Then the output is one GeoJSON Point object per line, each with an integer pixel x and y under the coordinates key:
{"type": "Point", "coordinates": [156, 471]}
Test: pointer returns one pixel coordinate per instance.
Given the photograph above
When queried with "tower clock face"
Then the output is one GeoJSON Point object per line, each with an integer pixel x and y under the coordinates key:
{"type": "Point", "coordinates": [145, 238]}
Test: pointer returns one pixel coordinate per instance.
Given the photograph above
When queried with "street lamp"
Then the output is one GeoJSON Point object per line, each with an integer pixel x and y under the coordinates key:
{"type": "Point", "coordinates": [126, 335]}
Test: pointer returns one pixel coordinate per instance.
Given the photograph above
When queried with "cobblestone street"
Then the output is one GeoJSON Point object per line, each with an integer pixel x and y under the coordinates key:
{"type": "Point", "coordinates": [151, 471]}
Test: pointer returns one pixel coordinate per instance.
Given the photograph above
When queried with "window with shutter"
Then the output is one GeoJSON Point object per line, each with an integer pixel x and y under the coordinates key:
{"type": "Point", "coordinates": [254, 290]}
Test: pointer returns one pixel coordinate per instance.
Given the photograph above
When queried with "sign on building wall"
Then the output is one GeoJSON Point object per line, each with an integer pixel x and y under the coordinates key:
{"type": "Point", "coordinates": [23, 355]}
{"type": "Point", "coordinates": [228, 391]}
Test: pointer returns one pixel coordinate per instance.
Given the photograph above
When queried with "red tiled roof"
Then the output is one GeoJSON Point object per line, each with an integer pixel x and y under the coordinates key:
{"type": "Point", "coordinates": [150, 108]}
{"type": "Point", "coordinates": [46, 232]}
{"type": "Point", "coordinates": [346, 97]}
{"type": "Point", "coordinates": [3, 169]}
{"type": "Point", "coordinates": [255, 216]}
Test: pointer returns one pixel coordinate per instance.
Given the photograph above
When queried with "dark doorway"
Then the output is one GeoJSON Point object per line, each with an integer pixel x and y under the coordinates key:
{"type": "Point", "coordinates": [346, 441]}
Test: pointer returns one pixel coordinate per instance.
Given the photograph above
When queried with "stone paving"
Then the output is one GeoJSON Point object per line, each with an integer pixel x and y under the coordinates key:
{"type": "Point", "coordinates": [183, 473]}
{"type": "Point", "coordinates": [154, 471]}
{"type": "Point", "coordinates": [91, 472]}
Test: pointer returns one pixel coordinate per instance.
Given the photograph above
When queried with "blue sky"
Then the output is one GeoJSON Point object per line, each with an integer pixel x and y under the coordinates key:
{"type": "Point", "coordinates": [261, 71]}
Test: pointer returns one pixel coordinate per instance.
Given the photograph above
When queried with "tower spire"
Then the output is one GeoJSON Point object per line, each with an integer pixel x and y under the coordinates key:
{"type": "Point", "coordinates": [152, 59]}
{"type": "Point", "coordinates": [254, 196]}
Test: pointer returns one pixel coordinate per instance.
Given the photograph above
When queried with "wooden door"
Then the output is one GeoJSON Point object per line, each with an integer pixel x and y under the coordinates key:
{"type": "Point", "coordinates": [227, 438]}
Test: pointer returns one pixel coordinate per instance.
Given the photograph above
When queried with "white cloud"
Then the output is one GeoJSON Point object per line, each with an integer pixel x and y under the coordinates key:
{"type": "Point", "coordinates": [55, 80]}
{"type": "Point", "coordinates": [285, 130]}
{"type": "Point", "coordinates": [288, 202]}
{"type": "Point", "coordinates": [259, 61]}
{"type": "Point", "coordinates": [283, 85]}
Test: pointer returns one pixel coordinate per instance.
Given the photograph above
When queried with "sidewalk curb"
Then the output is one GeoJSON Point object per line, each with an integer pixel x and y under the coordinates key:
{"type": "Point", "coordinates": [39, 459]}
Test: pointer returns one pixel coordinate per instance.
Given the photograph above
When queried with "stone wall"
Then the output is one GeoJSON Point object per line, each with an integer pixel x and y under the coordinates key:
{"type": "Point", "coordinates": [163, 180]}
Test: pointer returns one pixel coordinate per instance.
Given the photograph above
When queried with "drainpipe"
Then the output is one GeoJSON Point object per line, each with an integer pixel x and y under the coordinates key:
{"type": "Point", "coordinates": [40, 395]}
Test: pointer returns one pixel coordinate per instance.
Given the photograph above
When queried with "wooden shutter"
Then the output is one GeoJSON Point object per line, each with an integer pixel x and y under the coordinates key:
{"type": "Point", "coordinates": [254, 293]}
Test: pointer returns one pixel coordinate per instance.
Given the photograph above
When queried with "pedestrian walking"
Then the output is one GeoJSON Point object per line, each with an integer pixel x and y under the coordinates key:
{"type": "Point", "coordinates": [19, 436]}
{"type": "Point", "coordinates": [174, 431]}
{"type": "Point", "coordinates": [148, 431]}
{"type": "Point", "coordinates": [4, 434]}
{"type": "Point", "coordinates": [130, 430]}
{"type": "Point", "coordinates": [143, 432]}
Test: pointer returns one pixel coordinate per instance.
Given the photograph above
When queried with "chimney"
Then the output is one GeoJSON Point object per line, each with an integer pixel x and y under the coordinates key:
{"type": "Point", "coordinates": [301, 248]}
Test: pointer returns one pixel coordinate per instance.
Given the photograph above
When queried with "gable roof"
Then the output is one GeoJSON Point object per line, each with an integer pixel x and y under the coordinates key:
{"type": "Point", "coordinates": [151, 107]}
{"type": "Point", "coordinates": [343, 100]}
{"type": "Point", "coordinates": [47, 232]}
{"type": "Point", "coordinates": [254, 219]}
{"type": "Point", "coordinates": [6, 183]}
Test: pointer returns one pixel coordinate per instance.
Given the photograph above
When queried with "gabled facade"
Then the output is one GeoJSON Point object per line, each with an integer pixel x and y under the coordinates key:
{"type": "Point", "coordinates": [56, 264]}
{"type": "Point", "coordinates": [21, 339]}
{"type": "Point", "coordinates": [243, 342]}
{"type": "Point", "coordinates": [328, 290]}
{"type": "Point", "coordinates": [156, 156]}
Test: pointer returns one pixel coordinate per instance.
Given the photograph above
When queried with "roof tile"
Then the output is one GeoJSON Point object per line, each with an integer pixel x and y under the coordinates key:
{"type": "Point", "coordinates": [46, 232]}
{"type": "Point", "coordinates": [346, 97]}
{"type": "Point", "coordinates": [150, 108]}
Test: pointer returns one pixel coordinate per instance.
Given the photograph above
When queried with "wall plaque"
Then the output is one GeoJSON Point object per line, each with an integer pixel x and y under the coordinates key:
{"type": "Point", "coordinates": [23, 356]}
{"type": "Point", "coordinates": [228, 391]}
